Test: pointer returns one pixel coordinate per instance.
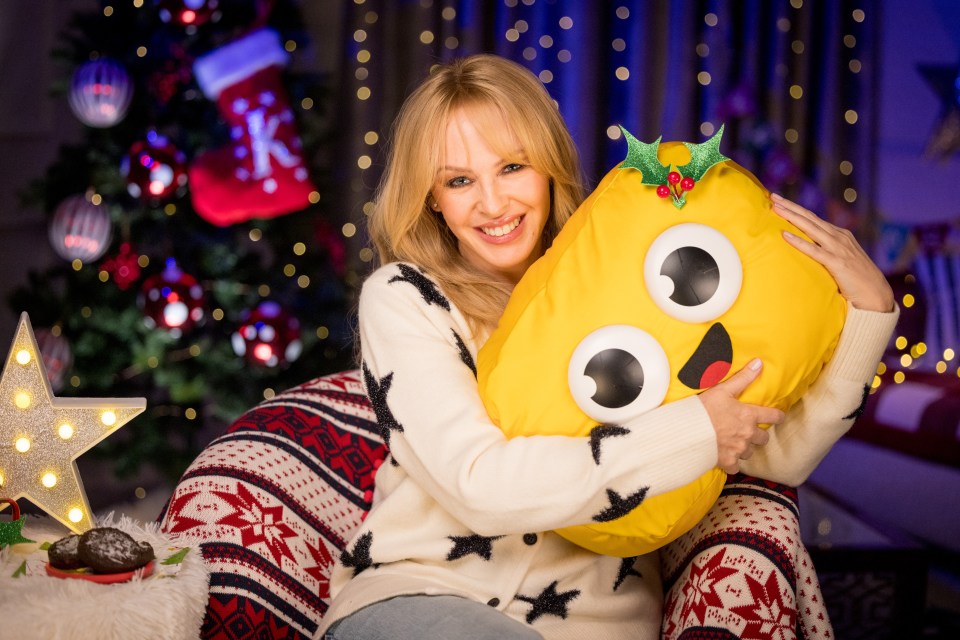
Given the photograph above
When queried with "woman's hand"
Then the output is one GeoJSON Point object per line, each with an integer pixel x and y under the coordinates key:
{"type": "Point", "coordinates": [735, 422]}
{"type": "Point", "coordinates": [861, 283]}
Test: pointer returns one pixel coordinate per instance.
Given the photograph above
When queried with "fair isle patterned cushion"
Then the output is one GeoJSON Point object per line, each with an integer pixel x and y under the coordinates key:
{"type": "Point", "coordinates": [275, 500]}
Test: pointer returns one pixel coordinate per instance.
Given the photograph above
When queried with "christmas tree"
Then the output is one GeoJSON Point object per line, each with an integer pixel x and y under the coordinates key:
{"type": "Point", "coordinates": [200, 268]}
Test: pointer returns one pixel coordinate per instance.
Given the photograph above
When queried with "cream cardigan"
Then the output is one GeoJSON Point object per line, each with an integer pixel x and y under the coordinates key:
{"type": "Point", "coordinates": [459, 509]}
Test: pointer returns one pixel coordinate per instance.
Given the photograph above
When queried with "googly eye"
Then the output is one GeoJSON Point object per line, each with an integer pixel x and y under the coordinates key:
{"type": "Point", "coordinates": [693, 272]}
{"type": "Point", "coordinates": [618, 372]}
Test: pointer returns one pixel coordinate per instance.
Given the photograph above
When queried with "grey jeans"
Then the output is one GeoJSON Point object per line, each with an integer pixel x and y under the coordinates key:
{"type": "Point", "coordinates": [424, 617]}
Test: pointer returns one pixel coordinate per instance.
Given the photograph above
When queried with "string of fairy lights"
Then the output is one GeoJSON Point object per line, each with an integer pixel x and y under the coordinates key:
{"type": "Point", "coordinates": [547, 49]}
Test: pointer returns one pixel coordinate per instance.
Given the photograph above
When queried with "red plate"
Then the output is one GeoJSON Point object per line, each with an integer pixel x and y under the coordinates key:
{"type": "Point", "coordinates": [102, 578]}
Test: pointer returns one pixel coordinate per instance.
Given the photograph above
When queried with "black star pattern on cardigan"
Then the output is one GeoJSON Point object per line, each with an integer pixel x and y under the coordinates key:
{"type": "Point", "coordinates": [549, 602]}
{"type": "Point", "coordinates": [428, 290]}
{"type": "Point", "coordinates": [465, 353]}
{"type": "Point", "coordinates": [620, 506]}
{"type": "Point", "coordinates": [359, 558]}
{"type": "Point", "coordinates": [598, 433]}
{"type": "Point", "coordinates": [626, 570]}
{"type": "Point", "coordinates": [377, 391]}
{"type": "Point", "coordinates": [465, 545]}
{"type": "Point", "coordinates": [856, 413]}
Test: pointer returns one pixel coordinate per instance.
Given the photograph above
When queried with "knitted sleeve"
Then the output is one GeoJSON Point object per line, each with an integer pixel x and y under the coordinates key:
{"type": "Point", "coordinates": [418, 366]}
{"type": "Point", "coordinates": [830, 406]}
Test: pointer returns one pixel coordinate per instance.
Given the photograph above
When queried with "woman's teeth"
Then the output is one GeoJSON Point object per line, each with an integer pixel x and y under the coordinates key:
{"type": "Point", "coordinates": [503, 230]}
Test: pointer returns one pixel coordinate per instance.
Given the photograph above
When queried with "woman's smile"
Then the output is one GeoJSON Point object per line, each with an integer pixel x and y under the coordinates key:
{"type": "Point", "coordinates": [499, 233]}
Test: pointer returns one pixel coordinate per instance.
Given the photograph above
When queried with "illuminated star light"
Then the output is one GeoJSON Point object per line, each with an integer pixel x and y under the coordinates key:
{"type": "Point", "coordinates": [41, 436]}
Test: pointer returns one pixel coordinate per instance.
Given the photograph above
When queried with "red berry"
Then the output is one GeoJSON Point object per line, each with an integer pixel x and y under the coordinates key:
{"type": "Point", "coordinates": [663, 191]}
{"type": "Point", "coordinates": [673, 177]}
{"type": "Point", "coordinates": [687, 184]}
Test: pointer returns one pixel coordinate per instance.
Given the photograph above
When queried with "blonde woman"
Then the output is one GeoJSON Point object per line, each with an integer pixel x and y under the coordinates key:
{"type": "Point", "coordinates": [481, 175]}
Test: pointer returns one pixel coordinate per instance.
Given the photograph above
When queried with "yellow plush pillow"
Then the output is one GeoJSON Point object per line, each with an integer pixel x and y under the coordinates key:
{"type": "Point", "coordinates": [646, 298]}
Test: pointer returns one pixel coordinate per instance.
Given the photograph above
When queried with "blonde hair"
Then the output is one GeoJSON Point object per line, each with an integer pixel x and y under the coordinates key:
{"type": "Point", "coordinates": [494, 92]}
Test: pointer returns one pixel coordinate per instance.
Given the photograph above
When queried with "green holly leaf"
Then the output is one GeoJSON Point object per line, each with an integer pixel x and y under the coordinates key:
{"type": "Point", "coordinates": [10, 533]}
{"type": "Point", "coordinates": [21, 570]}
{"type": "Point", "coordinates": [178, 557]}
{"type": "Point", "coordinates": [703, 156]}
{"type": "Point", "coordinates": [643, 157]}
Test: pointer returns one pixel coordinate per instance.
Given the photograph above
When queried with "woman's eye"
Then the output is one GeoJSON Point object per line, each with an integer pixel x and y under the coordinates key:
{"type": "Point", "coordinates": [618, 372]}
{"type": "Point", "coordinates": [459, 181]}
{"type": "Point", "coordinates": [693, 272]}
{"type": "Point", "coordinates": [512, 167]}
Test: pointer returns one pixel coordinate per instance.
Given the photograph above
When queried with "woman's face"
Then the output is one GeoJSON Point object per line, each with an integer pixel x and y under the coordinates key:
{"type": "Point", "coordinates": [496, 208]}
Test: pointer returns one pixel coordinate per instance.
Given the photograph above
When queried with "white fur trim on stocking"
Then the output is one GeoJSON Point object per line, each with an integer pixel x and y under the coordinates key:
{"type": "Point", "coordinates": [238, 60]}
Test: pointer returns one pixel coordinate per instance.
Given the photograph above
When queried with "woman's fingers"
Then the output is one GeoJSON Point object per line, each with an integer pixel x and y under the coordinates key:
{"type": "Point", "coordinates": [859, 280]}
{"type": "Point", "coordinates": [802, 218]}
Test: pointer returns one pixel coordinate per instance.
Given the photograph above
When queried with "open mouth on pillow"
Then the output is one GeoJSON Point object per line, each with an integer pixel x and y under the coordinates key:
{"type": "Point", "coordinates": [711, 360]}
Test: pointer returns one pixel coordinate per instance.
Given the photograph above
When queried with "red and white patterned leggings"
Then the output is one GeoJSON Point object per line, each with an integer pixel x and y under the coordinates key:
{"type": "Point", "coordinates": [743, 571]}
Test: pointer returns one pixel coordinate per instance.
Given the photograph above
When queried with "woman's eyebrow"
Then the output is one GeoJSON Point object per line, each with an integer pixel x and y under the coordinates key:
{"type": "Point", "coordinates": [519, 155]}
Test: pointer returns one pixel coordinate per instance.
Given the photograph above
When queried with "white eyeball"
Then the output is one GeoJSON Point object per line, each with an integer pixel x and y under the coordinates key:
{"type": "Point", "coordinates": [618, 372]}
{"type": "Point", "coordinates": [693, 272]}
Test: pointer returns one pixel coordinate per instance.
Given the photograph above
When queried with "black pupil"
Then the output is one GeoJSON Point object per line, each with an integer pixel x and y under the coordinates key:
{"type": "Point", "coordinates": [618, 376]}
{"type": "Point", "coordinates": [695, 275]}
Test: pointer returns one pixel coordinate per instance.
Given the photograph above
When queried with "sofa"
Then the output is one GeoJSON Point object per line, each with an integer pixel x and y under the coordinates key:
{"type": "Point", "coordinates": [276, 498]}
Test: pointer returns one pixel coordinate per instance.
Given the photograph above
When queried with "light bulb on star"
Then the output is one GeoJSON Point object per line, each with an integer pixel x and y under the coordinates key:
{"type": "Point", "coordinates": [41, 436]}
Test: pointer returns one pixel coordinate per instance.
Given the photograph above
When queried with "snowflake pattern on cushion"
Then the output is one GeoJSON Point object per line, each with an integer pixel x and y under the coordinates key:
{"type": "Point", "coordinates": [275, 500]}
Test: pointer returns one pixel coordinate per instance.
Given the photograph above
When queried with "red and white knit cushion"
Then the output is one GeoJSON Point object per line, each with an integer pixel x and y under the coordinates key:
{"type": "Point", "coordinates": [275, 499]}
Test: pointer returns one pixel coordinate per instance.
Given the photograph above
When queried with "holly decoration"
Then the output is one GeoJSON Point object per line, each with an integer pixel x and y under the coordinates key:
{"type": "Point", "coordinates": [11, 532]}
{"type": "Point", "coordinates": [643, 157]}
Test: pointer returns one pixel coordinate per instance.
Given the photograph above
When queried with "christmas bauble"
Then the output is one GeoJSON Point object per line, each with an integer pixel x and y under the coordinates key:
{"type": "Point", "coordinates": [187, 12]}
{"type": "Point", "coordinates": [154, 168]}
{"type": "Point", "coordinates": [172, 300]}
{"type": "Point", "coordinates": [56, 355]}
{"type": "Point", "coordinates": [100, 93]}
{"type": "Point", "coordinates": [80, 230]}
{"type": "Point", "coordinates": [269, 336]}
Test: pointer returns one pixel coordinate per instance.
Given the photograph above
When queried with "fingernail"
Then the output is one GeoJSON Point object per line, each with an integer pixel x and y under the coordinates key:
{"type": "Point", "coordinates": [776, 196]}
{"type": "Point", "coordinates": [789, 236]}
{"type": "Point", "coordinates": [755, 364]}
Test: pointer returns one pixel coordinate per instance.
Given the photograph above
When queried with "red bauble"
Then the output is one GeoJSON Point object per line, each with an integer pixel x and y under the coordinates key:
{"type": "Point", "coordinates": [187, 12]}
{"type": "Point", "coordinates": [269, 336]}
{"type": "Point", "coordinates": [124, 267]}
{"type": "Point", "coordinates": [80, 230]}
{"type": "Point", "coordinates": [663, 191]}
{"type": "Point", "coordinates": [56, 355]}
{"type": "Point", "coordinates": [154, 168]}
{"type": "Point", "coordinates": [172, 300]}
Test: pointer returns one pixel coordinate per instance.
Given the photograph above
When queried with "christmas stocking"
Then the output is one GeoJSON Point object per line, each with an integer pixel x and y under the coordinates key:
{"type": "Point", "coordinates": [261, 174]}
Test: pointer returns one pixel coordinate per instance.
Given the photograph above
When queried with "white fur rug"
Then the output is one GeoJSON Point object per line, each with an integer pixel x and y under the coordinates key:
{"type": "Point", "coordinates": [168, 605]}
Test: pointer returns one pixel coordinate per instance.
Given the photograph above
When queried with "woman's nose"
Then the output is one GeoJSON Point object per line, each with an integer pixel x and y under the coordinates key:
{"type": "Point", "coordinates": [493, 199]}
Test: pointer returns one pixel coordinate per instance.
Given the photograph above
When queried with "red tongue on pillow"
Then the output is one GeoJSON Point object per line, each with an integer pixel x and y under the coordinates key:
{"type": "Point", "coordinates": [710, 361]}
